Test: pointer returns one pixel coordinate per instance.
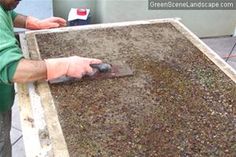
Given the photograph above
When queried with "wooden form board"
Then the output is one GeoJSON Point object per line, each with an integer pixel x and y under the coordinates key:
{"type": "Point", "coordinates": [56, 145]}
{"type": "Point", "coordinates": [41, 130]}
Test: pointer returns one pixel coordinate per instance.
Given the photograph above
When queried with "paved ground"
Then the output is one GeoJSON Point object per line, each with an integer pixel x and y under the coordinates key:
{"type": "Point", "coordinates": [223, 46]}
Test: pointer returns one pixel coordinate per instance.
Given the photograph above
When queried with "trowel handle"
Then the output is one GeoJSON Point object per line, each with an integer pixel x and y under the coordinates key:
{"type": "Point", "coordinates": [101, 67]}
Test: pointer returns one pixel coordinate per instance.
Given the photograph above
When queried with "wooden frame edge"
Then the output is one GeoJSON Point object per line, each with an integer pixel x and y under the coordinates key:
{"type": "Point", "coordinates": [56, 137]}
{"type": "Point", "coordinates": [30, 131]}
{"type": "Point", "coordinates": [103, 25]}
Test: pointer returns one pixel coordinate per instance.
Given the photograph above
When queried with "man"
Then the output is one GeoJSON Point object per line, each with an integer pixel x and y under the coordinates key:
{"type": "Point", "coordinates": [14, 68]}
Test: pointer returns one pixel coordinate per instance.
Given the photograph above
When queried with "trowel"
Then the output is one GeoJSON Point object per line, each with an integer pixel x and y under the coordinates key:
{"type": "Point", "coordinates": [101, 71]}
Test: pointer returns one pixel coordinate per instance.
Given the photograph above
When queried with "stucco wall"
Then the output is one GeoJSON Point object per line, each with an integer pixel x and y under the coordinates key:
{"type": "Point", "coordinates": [202, 22]}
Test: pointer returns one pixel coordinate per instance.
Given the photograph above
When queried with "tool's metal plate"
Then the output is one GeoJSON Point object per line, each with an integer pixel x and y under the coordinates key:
{"type": "Point", "coordinates": [118, 69]}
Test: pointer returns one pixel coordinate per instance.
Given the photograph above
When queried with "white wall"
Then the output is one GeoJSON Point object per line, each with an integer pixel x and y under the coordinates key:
{"type": "Point", "coordinates": [202, 22]}
{"type": "Point", "coordinates": [40, 9]}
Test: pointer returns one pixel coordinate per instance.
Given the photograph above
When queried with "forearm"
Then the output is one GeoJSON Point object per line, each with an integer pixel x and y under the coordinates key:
{"type": "Point", "coordinates": [30, 70]}
{"type": "Point", "coordinates": [20, 21]}
{"type": "Point", "coordinates": [49, 69]}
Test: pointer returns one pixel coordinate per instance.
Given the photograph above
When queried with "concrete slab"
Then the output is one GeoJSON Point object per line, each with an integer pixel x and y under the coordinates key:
{"type": "Point", "coordinates": [15, 135]}
{"type": "Point", "coordinates": [16, 116]}
{"type": "Point", "coordinates": [18, 149]}
{"type": "Point", "coordinates": [222, 46]}
{"type": "Point", "coordinates": [232, 57]}
{"type": "Point", "coordinates": [232, 63]}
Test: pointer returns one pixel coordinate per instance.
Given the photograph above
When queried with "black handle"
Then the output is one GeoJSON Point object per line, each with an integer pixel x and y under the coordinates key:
{"type": "Point", "coordinates": [102, 67]}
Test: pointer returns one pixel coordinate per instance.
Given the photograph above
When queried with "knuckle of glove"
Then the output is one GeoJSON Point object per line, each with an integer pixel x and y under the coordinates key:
{"type": "Point", "coordinates": [78, 67]}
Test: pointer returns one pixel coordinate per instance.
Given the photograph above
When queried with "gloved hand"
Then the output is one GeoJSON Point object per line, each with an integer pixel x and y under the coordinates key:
{"type": "Point", "coordinates": [71, 66]}
{"type": "Point", "coordinates": [52, 22]}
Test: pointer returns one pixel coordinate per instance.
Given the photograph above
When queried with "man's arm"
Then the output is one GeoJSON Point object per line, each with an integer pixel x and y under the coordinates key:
{"type": "Point", "coordinates": [20, 21]}
{"type": "Point", "coordinates": [29, 22]}
{"type": "Point", "coordinates": [29, 70]}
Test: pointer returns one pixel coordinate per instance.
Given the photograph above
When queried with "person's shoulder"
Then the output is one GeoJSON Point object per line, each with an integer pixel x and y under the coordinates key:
{"type": "Point", "coordinates": [4, 20]}
{"type": "Point", "coordinates": [3, 13]}
{"type": "Point", "coordinates": [1, 9]}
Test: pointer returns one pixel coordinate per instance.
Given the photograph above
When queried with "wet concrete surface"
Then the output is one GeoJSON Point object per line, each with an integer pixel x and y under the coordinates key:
{"type": "Point", "coordinates": [178, 103]}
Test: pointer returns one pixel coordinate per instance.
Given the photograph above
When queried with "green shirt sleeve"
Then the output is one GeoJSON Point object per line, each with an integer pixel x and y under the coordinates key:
{"type": "Point", "coordinates": [13, 15]}
{"type": "Point", "coordinates": [10, 53]}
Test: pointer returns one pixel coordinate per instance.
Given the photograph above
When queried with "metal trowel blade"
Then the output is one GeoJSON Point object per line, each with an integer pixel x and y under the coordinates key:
{"type": "Point", "coordinates": [118, 69]}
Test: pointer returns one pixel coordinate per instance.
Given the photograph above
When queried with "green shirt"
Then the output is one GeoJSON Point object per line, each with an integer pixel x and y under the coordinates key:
{"type": "Point", "coordinates": [10, 55]}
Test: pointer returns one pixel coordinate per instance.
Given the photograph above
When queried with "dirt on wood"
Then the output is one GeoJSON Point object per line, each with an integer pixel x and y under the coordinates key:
{"type": "Point", "coordinates": [178, 103]}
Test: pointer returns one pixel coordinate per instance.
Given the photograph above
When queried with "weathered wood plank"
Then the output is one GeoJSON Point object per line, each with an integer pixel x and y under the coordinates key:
{"type": "Point", "coordinates": [55, 133]}
{"type": "Point", "coordinates": [29, 130]}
